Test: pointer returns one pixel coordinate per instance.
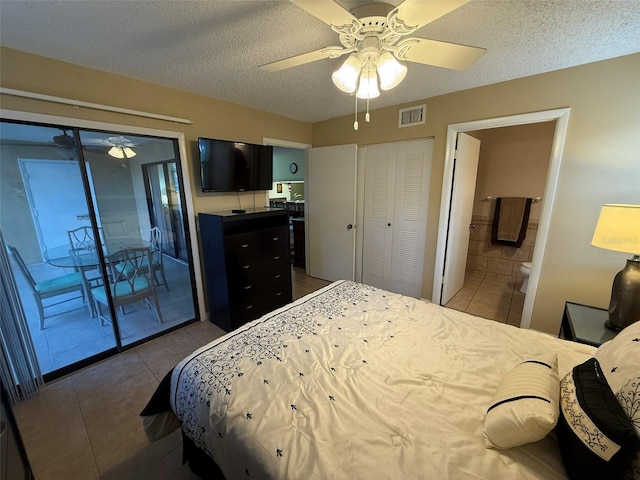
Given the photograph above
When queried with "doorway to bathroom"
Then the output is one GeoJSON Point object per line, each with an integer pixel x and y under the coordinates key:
{"type": "Point", "coordinates": [520, 156]}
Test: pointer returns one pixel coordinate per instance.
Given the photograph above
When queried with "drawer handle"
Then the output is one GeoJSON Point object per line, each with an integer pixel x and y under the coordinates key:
{"type": "Point", "coordinates": [278, 294]}
{"type": "Point", "coordinates": [276, 238]}
{"type": "Point", "coordinates": [246, 266]}
{"type": "Point", "coordinates": [249, 307]}
{"type": "Point", "coordinates": [244, 245]}
{"type": "Point", "coordinates": [276, 276]}
{"type": "Point", "coordinates": [276, 257]}
{"type": "Point", "coordinates": [247, 287]}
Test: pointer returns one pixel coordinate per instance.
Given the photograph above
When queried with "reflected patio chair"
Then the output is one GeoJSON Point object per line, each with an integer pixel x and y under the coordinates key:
{"type": "Point", "coordinates": [128, 282]}
{"type": "Point", "coordinates": [155, 239]}
{"type": "Point", "coordinates": [52, 287]}
{"type": "Point", "coordinates": [81, 239]}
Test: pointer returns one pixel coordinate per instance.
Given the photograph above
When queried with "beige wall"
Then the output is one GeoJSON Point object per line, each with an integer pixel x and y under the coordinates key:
{"type": "Point", "coordinates": [601, 164]}
{"type": "Point", "coordinates": [211, 118]}
{"type": "Point", "coordinates": [513, 162]}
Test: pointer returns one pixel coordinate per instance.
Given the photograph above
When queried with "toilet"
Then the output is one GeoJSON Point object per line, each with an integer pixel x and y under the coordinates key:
{"type": "Point", "coordinates": [525, 271]}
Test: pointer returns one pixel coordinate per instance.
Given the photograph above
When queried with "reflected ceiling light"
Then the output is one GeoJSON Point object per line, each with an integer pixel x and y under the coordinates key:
{"type": "Point", "coordinates": [121, 152]}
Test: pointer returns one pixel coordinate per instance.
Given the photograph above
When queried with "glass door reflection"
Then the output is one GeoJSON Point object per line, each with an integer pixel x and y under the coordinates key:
{"type": "Point", "coordinates": [70, 200]}
{"type": "Point", "coordinates": [157, 294]}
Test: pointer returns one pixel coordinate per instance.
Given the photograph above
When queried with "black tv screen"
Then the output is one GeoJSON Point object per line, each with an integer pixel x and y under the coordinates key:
{"type": "Point", "coordinates": [227, 166]}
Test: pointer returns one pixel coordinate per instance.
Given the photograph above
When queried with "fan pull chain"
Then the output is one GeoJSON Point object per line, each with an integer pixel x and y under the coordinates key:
{"type": "Point", "coordinates": [367, 117]}
{"type": "Point", "coordinates": [355, 123]}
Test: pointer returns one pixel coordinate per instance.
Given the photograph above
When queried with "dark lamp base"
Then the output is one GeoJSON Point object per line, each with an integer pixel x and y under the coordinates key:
{"type": "Point", "coordinates": [624, 308]}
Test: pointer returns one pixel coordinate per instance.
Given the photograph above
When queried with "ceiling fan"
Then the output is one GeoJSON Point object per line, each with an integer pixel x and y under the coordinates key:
{"type": "Point", "coordinates": [374, 36]}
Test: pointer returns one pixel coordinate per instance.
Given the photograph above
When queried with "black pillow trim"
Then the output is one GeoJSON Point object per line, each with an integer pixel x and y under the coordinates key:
{"type": "Point", "coordinates": [586, 388]}
{"type": "Point", "coordinates": [513, 399]}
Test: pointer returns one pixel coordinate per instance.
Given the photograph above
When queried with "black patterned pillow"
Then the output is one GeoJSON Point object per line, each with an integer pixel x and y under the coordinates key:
{"type": "Point", "coordinates": [629, 398]}
{"type": "Point", "coordinates": [596, 438]}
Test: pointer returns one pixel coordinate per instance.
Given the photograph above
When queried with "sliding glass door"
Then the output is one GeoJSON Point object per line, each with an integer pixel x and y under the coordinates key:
{"type": "Point", "coordinates": [95, 273]}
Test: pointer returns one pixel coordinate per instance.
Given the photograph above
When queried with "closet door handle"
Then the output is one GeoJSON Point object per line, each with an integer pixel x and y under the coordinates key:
{"type": "Point", "coordinates": [388, 224]}
{"type": "Point", "coordinates": [349, 227]}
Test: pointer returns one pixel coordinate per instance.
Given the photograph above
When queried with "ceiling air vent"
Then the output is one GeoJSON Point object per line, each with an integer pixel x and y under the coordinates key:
{"type": "Point", "coordinates": [411, 116]}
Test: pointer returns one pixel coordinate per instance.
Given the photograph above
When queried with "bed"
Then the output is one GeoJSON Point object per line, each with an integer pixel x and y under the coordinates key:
{"type": "Point", "coordinates": [353, 381]}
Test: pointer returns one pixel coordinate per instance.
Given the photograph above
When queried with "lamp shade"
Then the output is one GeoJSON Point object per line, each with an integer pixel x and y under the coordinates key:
{"type": "Point", "coordinates": [346, 77]}
{"type": "Point", "coordinates": [368, 87]}
{"type": "Point", "coordinates": [618, 229]}
{"type": "Point", "coordinates": [390, 70]}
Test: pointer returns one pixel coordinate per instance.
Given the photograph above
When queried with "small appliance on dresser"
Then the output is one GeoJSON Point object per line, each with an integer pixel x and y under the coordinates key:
{"type": "Point", "coordinates": [246, 264]}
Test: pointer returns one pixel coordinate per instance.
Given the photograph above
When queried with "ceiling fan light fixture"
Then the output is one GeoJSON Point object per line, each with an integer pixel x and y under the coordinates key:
{"type": "Point", "coordinates": [128, 152]}
{"type": "Point", "coordinates": [116, 152]}
{"type": "Point", "coordinates": [368, 87]}
{"type": "Point", "coordinates": [346, 77]}
{"type": "Point", "coordinates": [390, 70]}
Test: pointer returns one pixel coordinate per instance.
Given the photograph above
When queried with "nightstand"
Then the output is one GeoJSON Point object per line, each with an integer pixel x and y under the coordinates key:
{"type": "Point", "coordinates": [585, 324]}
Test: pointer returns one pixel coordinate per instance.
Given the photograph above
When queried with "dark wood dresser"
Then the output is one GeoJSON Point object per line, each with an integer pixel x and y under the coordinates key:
{"type": "Point", "coordinates": [246, 264]}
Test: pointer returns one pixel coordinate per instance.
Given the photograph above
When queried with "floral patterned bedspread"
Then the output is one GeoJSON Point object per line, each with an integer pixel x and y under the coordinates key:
{"type": "Point", "coordinates": [355, 382]}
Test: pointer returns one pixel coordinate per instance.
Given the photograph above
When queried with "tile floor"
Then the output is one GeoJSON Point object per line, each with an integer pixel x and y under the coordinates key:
{"type": "Point", "coordinates": [493, 297]}
{"type": "Point", "coordinates": [71, 334]}
{"type": "Point", "coordinates": [86, 426]}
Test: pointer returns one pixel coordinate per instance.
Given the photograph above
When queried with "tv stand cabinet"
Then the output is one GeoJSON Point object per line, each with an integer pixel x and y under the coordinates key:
{"type": "Point", "coordinates": [246, 264]}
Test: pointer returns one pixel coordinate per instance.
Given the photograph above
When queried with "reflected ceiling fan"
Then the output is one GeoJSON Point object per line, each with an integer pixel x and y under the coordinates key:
{"type": "Point", "coordinates": [375, 37]}
{"type": "Point", "coordinates": [117, 146]}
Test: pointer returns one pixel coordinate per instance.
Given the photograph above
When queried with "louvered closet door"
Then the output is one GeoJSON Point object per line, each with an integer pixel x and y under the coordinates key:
{"type": "Point", "coordinates": [395, 214]}
{"type": "Point", "coordinates": [380, 174]}
{"type": "Point", "coordinates": [413, 173]}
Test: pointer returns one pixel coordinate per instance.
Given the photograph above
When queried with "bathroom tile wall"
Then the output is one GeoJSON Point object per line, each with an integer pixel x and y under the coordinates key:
{"type": "Point", "coordinates": [498, 260]}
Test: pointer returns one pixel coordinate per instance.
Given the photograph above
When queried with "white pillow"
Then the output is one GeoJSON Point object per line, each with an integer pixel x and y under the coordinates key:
{"type": "Point", "coordinates": [524, 408]}
{"type": "Point", "coordinates": [619, 358]}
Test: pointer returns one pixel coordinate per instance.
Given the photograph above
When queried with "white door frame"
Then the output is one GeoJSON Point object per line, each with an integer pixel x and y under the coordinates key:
{"type": "Point", "coordinates": [561, 116]}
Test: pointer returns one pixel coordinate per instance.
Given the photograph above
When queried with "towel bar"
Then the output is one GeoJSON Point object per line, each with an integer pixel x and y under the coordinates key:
{"type": "Point", "coordinates": [488, 198]}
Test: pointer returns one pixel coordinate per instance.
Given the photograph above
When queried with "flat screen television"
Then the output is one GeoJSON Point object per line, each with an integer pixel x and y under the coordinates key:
{"type": "Point", "coordinates": [227, 166]}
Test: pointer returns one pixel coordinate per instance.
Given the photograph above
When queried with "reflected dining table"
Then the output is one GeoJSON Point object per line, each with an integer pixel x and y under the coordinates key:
{"type": "Point", "coordinates": [86, 259]}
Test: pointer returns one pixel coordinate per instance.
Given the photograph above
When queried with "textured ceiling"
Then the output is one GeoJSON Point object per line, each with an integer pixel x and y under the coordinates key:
{"type": "Point", "coordinates": [214, 48]}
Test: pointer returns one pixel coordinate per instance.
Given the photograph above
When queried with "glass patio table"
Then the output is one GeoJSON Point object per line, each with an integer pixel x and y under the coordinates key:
{"type": "Point", "coordinates": [61, 256]}
{"type": "Point", "coordinates": [86, 259]}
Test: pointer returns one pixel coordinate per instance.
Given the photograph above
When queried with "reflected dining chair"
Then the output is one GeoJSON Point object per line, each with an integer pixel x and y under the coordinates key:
{"type": "Point", "coordinates": [82, 240]}
{"type": "Point", "coordinates": [155, 240]}
{"type": "Point", "coordinates": [52, 287]}
{"type": "Point", "coordinates": [128, 282]}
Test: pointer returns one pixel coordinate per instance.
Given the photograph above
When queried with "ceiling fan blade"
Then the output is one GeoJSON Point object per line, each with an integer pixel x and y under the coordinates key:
{"type": "Point", "coordinates": [441, 54]}
{"type": "Point", "coordinates": [308, 57]}
{"type": "Point", "coordinates": [326, 10]}
{"type": "Point", "coordinates": [416, 13]}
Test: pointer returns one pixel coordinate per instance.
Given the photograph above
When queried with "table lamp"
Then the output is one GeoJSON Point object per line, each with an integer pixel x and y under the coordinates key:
{"type": "Point", "coordinates": [618, 229]}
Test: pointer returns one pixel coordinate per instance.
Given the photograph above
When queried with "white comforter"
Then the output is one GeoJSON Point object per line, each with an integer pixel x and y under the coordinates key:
{"type": "Point", "coordinates": [356, 382]}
